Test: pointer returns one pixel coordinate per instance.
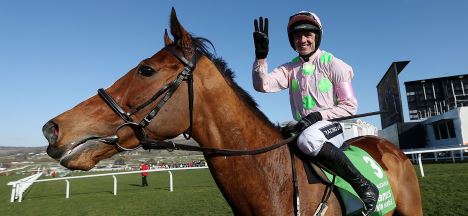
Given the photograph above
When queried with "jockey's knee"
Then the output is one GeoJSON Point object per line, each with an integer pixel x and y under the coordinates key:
{"type": "Point", "coordinates": [311, 140]}
{"type": "Point", "coordinates": [307, 145]}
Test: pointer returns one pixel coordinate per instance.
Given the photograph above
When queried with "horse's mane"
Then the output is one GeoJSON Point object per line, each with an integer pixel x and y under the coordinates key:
{"type": "Point", "coordinates": [202, 45]}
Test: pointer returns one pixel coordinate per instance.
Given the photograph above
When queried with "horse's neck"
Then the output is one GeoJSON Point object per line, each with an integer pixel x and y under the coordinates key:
{"type": "Point", "coordinates": [235, 130]}
{"type": "Point", "coordinates": [224, 120]}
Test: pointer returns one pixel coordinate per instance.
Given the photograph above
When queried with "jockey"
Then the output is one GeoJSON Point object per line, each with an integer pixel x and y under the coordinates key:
{"type": "Point", "coordinates": [319, 89]}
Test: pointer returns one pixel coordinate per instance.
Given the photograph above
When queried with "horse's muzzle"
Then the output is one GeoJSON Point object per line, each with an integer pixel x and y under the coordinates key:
{"type": "Point", "coordinates": [51, 132]}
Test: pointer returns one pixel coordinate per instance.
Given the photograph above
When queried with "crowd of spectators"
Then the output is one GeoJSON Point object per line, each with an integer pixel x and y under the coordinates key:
{"type": "Point", "coordinates": [193, 163]}
{"type": "Point", "coordinates": [173, 164]}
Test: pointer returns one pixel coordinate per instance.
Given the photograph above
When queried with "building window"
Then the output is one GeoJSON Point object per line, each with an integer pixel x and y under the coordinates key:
{"type": "Point", "coordinates": [436, 131]}
{"type": "Point", "coordinates": [451, 129]}
{"type": "Point", "coordinates": [444, 130]}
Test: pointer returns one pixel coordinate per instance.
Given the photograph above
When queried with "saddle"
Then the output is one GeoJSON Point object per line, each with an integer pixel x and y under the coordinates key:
{"type": "Point", "coordinates": [350, 204]}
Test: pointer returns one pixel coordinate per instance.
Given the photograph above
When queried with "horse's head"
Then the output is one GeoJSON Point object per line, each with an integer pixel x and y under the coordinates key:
{"type": "Point", "coordinates": [89, 132]}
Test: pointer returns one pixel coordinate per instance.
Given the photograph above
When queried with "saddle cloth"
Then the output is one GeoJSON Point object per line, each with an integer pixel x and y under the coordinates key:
{"type": "Point", "coordinates": [351, 203]}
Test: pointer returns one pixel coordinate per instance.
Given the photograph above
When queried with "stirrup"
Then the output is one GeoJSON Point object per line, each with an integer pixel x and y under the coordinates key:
{"type": "Point", "coordinates": [364, 214]}
{"type": "Point", "coordinates": [321, 209]}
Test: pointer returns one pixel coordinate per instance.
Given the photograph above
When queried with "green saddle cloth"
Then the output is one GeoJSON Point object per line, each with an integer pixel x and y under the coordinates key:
{"type": "Point", "coordinates": [372, 171]}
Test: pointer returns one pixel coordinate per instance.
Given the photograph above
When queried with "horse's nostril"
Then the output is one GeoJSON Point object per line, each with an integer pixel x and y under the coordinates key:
{"type": "Point", "coordinates": [51, 132]}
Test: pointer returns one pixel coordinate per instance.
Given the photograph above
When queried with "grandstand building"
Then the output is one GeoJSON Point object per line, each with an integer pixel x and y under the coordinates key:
{"type": "Point", "coordinates": [447, 129]}
{"type": "Point", "coordinates": [438, 109]}
{"type": "Point", "coordinates": [441, 106]}
{"type": "Point", "coordinates": [433, 97]}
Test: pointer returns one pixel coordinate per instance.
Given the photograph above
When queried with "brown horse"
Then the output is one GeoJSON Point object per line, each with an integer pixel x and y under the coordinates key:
{"type": "Point", "coordinates": [224, 117]}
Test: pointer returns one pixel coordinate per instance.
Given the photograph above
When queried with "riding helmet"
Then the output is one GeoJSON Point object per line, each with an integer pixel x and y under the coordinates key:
{"type": "Point", "coordinates": [305, 21]}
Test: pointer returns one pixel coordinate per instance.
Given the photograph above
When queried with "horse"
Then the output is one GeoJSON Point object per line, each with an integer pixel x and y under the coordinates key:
{"type": "Point", "coordinates": [217, 113]}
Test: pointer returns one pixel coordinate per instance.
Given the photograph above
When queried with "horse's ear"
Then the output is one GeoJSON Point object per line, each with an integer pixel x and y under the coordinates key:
{"type": "Point", "coordinates": [181, 37]}
{"type": "Point", "coordinates": [167, 40]}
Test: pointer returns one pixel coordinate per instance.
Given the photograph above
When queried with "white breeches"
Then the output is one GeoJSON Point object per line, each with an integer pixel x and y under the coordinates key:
{"type": "Point", "coordinates": [311, 140]}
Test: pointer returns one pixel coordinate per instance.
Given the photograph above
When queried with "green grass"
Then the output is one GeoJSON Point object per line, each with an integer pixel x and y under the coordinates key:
{"type": "Point", "coordinates": [195, 193]}
{"type": "Point", "coordinates": [444, 189]}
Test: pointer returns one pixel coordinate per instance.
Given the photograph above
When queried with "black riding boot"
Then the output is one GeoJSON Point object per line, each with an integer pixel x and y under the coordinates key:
{"type": "Point", "coordinates": [334, 159]}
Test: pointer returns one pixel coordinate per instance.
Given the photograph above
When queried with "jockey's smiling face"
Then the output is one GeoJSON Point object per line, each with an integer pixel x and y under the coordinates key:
{"type": "Point", "coordinates": [304, 42]}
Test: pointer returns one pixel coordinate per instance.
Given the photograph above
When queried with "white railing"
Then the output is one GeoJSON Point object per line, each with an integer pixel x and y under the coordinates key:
{"type": "Point", "coordinates": [416, 154]}
{"type": "Point", "coordinates": [10, 170]}
{"type": "Point", "coordinates": [67, 188]}
{"type": "Point", "coordinates": [18, 187]}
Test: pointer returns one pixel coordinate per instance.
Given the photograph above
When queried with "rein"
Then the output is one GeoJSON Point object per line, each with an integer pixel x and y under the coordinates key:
{"type": "Point", "coordinates": [148, 144]}
{"type": "Point", "coordinates": [139, 128]}
{"type": "Point", "coordinates": [168, 90]}
{"type": "Point", "coordinates": [187, 75]}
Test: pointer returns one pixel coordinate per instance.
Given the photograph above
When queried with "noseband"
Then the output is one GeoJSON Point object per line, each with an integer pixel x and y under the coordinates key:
{"type": "Point", "coordinates": [139, 128]}
{"type": "Point", "coordinates": [167, 90]}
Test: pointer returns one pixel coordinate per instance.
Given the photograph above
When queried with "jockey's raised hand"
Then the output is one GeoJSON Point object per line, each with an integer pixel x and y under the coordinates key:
{"type": "Point", "coordinates": [260, 36]}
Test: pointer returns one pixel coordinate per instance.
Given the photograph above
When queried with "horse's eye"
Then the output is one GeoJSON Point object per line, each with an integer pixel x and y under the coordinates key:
{"type": "Point", "coordinates": [145, 70]}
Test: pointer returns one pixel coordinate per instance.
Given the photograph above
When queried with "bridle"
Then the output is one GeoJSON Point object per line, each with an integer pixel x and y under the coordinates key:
{"type": "Point", "coordinates": [168, 90]}
{"type": "Point", "coordinates": [139, 128]}
{"type": "Point", "coordinates": [186, 74]}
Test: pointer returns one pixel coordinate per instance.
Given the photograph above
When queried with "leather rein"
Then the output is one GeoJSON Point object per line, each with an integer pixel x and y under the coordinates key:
{"type": "Point", "coordinates": [167, 90]}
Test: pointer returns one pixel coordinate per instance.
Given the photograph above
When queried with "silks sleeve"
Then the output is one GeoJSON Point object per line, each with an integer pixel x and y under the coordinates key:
{"type": "Point", "coordinates": [263, 81]}
{"type": "Point", "coordinates": [346, 103]}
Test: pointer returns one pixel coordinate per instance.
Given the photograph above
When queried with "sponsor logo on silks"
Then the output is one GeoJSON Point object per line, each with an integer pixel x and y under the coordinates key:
{"type": "Point", "coordinates": [332, 130]}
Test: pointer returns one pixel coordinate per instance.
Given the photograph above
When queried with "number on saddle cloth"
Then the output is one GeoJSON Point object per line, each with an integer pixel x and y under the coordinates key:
{"type": "Point", "coordinates": [372, 171]}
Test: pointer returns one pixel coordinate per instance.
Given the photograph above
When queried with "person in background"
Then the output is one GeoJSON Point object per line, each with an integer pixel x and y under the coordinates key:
{"type": "Point", "coordinates": [319, 89]}
{"type": "Point", "coordinates": [144, 175]}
